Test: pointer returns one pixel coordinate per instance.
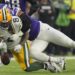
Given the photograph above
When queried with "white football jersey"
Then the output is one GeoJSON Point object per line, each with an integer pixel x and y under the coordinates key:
{"type": "Point", "coordinates": [5, 34]}
{"type": "Point", "coordinates": [16, 24]}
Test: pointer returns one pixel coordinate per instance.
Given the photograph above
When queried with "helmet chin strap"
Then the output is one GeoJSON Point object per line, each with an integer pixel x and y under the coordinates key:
{"type": "Point", "coordinates": [4, 26]}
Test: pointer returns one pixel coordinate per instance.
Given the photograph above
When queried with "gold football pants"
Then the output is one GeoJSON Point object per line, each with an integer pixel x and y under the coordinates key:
{"type": "Point", "coordinates": [20, 57]}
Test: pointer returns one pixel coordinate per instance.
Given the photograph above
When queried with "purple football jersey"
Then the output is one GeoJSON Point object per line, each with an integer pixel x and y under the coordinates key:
{"type": "Point", "coordinates": [34, 30]}
{"type": "Point", "coordinates": [16, 3]}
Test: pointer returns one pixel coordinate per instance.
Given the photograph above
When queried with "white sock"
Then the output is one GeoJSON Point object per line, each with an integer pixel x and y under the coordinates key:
{"type": "Point", "coordinates": [54, 59]}
{"type": "Point", "coordinates": [41, 57]}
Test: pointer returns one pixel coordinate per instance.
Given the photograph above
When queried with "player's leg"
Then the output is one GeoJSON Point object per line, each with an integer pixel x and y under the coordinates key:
{"type": "Point", "coordinates": [36, 51]}
{"type": "Point", "coordinates": [37, 48]}
{"type": "Point", "coordinates": [20, 58]}
{"type": "Point", "coordinates": [34, 65]}
{"type": "Point", "coordinates": [50, 34]}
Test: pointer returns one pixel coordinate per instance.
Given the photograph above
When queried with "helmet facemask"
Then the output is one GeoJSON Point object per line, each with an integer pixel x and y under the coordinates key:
{"type": "Point", "coordinates": [5, 18]}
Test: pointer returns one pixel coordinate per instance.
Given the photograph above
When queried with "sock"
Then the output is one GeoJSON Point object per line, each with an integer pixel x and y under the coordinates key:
{"type": "Point", "coordinates": [35, 66]}
{"type": "Point", "coordinates": [54, 59]}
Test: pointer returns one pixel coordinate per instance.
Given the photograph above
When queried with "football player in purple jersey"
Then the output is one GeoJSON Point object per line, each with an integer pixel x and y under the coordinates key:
{"type": "Point", "coordinates": [33, 28]}
{"type": "Point", "coordinates": [41, 34]}
{"type": "Point", "coordinates": [22, 4]}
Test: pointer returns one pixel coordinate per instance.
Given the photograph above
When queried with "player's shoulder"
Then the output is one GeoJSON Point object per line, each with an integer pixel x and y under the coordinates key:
{"type": "Point", "coordinates": [16, 20]}
{"type": "Point", "coordinates": [16, 23]}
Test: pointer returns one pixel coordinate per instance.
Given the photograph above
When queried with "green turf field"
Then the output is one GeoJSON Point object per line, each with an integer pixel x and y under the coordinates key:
{"type": "Point", "coordinates": [14, 69]}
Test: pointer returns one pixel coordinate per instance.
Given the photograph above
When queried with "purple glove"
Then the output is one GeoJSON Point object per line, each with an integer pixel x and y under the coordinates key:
{"type": "Point", "coordinates": [15, 11]}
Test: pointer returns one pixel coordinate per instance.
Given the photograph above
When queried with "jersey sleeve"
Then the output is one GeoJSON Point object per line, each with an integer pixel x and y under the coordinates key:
{"type": "Point", "coordinates": [26, 22]}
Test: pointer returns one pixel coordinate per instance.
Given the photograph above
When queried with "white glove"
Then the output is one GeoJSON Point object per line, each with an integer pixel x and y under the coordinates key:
{"type": "Point", "coordinates": [17, 48]}
{"type": "Point", "coordinates": [14, 37]}
{"type": "Point", "coordinates": [3, 46]}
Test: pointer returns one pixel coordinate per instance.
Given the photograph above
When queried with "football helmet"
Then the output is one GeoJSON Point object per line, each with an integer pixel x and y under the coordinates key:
{"type": "Point", "coordinates": [5, 17]}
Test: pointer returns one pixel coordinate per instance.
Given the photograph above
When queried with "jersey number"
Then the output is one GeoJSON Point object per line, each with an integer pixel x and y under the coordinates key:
{"type": "Point", "coordinates": [15, 20]}
{"type": "Point", "coordinates": [13, 3]}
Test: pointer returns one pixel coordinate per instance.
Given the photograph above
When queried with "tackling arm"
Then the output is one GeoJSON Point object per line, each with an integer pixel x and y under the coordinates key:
{"type": "Point", "coordinates": [24, 38]}
{"type": "Point", "coordinates": [26, 26]}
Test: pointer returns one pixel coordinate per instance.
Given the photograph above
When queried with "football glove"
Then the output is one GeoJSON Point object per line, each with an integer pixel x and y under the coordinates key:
{"type": "Point", "coordinates": [17, 48]}
{"type": "Point", "coordinates": [3, 46]}
{"type": "Point", "coordinates": [15, 11]}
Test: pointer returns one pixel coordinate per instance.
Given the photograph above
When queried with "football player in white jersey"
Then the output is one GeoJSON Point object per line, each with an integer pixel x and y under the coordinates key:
{"type": "Point", "coordinates": [10, 36]}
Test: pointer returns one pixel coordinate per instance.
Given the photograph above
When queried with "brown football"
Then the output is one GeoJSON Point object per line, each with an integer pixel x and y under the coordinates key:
{"type": "Point", "coordinates": [5, 58]}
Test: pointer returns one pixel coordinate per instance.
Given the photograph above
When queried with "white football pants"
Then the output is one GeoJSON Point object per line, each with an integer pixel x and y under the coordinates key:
{"type": "Point", "coordinates": [46, 35]}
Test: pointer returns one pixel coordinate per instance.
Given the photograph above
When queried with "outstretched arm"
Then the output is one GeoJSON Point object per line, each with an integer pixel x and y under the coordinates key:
{"type": "Point", "coordinates": [26, 26]}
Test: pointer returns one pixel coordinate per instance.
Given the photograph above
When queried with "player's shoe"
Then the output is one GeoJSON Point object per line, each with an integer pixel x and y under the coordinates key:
{"type": "Point", "coordinates": [52, 67]}
{"type": "Point", "coordinates": [55, 66]}
{"type": "Point", "coordinates": [62, 63]}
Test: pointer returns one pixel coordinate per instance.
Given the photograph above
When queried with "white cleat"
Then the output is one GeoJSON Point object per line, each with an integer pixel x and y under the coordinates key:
{"type": "Point", "coordinates": [62, 63]}
{"type": "Point", "coordinates": [53, 67]}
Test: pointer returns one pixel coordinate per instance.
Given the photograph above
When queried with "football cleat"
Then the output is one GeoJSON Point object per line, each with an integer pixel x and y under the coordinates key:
{"type": "Point", "coordinates": [52, 67]}
{"type": "Point", "coordinates": [62, 63]}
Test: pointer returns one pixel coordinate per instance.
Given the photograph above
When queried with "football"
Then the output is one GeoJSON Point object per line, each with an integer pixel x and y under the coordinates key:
{"type": "Point", "coordinates": [5, 58]}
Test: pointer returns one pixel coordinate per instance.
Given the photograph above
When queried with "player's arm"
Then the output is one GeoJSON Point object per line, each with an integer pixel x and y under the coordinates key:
{"type": "Point", "coordinates": [24, 38]}
{"type": "Point", "coordinates": [26, 26]}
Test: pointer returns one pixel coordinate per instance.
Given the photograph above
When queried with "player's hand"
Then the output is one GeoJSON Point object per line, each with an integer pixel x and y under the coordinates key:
{"type": "Point", "coordinates": [3, 46]}
{"type": "Point", "coordinates": [14, 37]}
{"type": "Point", "coordinates": [17, 48]}
{"type": "Point", "coordinates": [16, 11]}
